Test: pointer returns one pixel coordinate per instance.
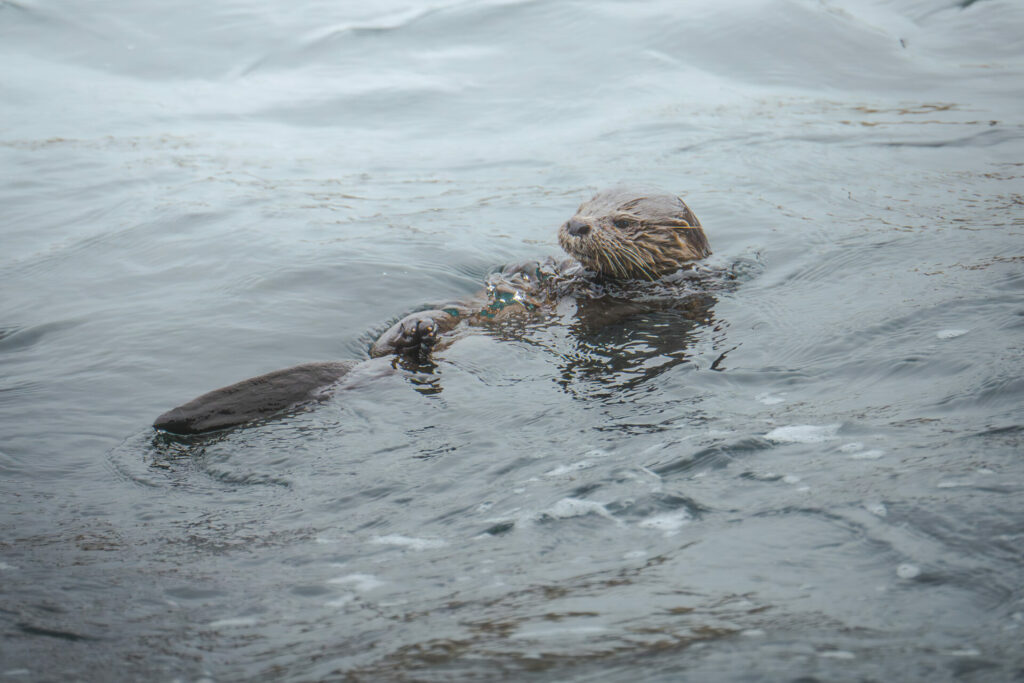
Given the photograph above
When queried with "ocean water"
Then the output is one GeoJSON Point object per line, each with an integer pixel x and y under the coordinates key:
{"type": "Point", "coordinates": [818, 475]}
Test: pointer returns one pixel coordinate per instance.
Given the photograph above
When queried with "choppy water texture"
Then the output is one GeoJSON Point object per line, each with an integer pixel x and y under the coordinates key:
{"type": "Point", "coordinates": [816, 475]}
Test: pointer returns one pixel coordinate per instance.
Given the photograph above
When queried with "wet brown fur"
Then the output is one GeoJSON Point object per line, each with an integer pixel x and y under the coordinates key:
{"type": "Point", "coordinates": [623, 234]}
{"type": "Point", "coordinates": [634, 235]}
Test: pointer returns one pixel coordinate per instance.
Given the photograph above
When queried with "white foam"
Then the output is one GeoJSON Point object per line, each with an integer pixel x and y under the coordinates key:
{"type": "Point", "coordinates": [4, 567]}
{"type": "Point", "coordinates": [877, 509]}
{"type": "Point", "coordinates": [837, 654]}
{"type": "Point", "coordinates": [341, 600]}
{"type": "Point", "coordinates": [361, 582]}
{"type": "Point", "coordinates": [574, 507]}
{"type": "Point", "coordinates": [908, 571]}
{"type": "Point", "coordinates": [554, 632]}
{"type": "Point", "coordinates": [567, 469]}
{"type": "Point", "coordinates": [873, 454]}
{"type": "Point", "coordinates": [950, 334]}
{"type": "Point", "coordinates": [234, 622]}
{"type": "Point", "coordinates": [409, 542]}
{"type": "Point", "coordinates": [770, 399]}
{"type": "Point", "coordinates": [851, 447]}
{"type": "Point", "coordinates": [669, 522]}
{"type": "Point", "coordinates": [651, 472]}
{"type": "Point", "coordinates": [803, 433]}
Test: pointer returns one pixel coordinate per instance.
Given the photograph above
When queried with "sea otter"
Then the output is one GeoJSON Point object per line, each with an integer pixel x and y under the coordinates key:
{"type": "Point", "coordinates": [617, 237]}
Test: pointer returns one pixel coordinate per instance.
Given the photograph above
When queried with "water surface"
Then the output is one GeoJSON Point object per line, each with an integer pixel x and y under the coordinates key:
{"type": "Point", "coordinates": [813, 475]}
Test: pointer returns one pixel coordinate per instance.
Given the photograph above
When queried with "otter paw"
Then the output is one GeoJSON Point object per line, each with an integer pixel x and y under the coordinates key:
{"type": "Point", "coordinates": [415, 334]}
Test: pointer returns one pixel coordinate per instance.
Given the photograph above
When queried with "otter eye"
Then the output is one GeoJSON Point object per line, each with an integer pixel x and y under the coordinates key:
{"type": "Point", "coordinates": [622, 222]}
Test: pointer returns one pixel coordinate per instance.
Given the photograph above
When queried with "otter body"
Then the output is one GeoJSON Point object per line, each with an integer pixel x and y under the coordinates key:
{"type": "Point", "coordinates": [619, 235]}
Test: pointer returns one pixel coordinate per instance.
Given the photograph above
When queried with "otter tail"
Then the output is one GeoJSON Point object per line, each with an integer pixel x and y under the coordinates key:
{"type": "Point", "coordinates": [257, 398]}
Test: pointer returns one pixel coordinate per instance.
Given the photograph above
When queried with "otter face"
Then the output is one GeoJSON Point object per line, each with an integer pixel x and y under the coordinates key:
{"type": "Point", "coordinates": [626, 234]}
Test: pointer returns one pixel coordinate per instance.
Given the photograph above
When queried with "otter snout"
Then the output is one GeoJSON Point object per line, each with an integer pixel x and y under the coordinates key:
{"type": "Point", "coordinates": [576, 227]}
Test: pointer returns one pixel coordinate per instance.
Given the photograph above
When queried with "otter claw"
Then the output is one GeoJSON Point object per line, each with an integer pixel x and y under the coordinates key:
{"type": "Point", "coordinates": [418, 333]}
{"type": "Point", "coordinates": [414, 334]}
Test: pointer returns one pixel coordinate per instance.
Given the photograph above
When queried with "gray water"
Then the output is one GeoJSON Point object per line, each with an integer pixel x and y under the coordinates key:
{"type": "Point", "coordinates": [817, 476]}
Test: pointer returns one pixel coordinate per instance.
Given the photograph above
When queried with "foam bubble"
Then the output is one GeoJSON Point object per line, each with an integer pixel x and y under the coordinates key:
{"type": "Point", "coordinates": [669, 522]}
{"type": "Point", "coordinates": [567, 469]}
{"type": "Point", "coordinates": [340, 601]}
{"type": "Point", "coordinates": [803, 433]}
{"type": "Point", "coordinates": [950, 334]}
{"type": "Point", "coordinates": [877, 509]}
{"type": "Point", "coordinates": [558, 631]}
{"type": "Point", "coordinates": [574, 507]}
{"type": "Point", "coordinates": [361, 582]}
{"type": "Point", "coordinates": [908, 571]}
{"type": "Point", "coordinates": [234, 622]}
{"type": "Point", "coordinates": [409, 542]}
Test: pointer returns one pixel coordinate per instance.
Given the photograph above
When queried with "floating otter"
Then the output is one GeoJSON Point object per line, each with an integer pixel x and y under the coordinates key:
{"type": "Point", "coordinates": [619, 235]}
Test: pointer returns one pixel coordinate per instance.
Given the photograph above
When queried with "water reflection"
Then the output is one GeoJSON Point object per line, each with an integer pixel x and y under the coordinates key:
{"type": "Point", "coordinates": [566, 496]}
{"type": "Point", "coordinates": [619, 344]}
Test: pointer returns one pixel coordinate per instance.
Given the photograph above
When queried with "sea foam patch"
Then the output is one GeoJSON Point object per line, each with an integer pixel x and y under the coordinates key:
{"type": "Point", "coordinates": [410, 542]}
{"type": "Point", "coordinates": [235, 622]}
{"type": "Point", "coordinates": [569, 469]}
{"type": "Point", "coordinates": [360, 582]}
{"type": "Point", "coordinates": [567, 508]}
{"type": "Point", "coordinates": [803, 433]}
{"type": "Point", "coordinates": [669, 522]}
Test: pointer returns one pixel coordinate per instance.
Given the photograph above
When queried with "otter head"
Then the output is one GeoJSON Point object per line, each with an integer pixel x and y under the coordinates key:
{"type": "Point", "coordinates": [626, 234]}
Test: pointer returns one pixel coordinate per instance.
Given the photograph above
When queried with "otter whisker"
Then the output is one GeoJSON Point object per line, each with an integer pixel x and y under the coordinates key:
{"type": "Point", "coordinates": [633, 255]}
{"type": "Point", "coordinates": [623, 269]}
{"type": "Point", "coordinates": [614, 264]}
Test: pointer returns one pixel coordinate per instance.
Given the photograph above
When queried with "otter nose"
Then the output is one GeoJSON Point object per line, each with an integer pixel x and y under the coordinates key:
{"type": "Point", "coordinates": [577, 228]}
